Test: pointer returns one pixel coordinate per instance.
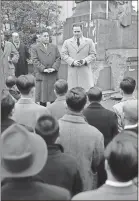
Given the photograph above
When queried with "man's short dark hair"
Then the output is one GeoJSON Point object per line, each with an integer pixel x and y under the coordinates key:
{"type": "Point", "coordinates": [76, 99]}
{"type": "Point", "coordinates": [94, 94]}
{"type": "Point", "coordinates": [121, 154]}
{"type": "Point", "coordinates": [78, 25]}
{"type": "Point", "coordinates": [25, 83]}
{"type": "Point", "coordinates": [10, 81]}
{"type": "Point", "coordinates": [7, 105]}
{"type": "Point", "coordinates": [61, 87]}
{"type": "Point", "coordinates": [128, 85]}
{"type": "Point", "coordinates": [48, 128]}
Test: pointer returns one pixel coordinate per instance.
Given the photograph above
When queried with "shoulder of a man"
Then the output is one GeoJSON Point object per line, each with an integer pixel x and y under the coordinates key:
{"type": "Point", "coordinates": [118, 107]}
{"type": "Point", "coordinates": [57, 192]}
{"type": "Point", "coordinates": [88, 195]}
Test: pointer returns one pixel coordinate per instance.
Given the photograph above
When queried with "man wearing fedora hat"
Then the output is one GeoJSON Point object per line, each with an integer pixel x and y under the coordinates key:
{"type": "Point", "coordinates": [61, 169]}
{"type": "Point", "coordinates": [23, 156]}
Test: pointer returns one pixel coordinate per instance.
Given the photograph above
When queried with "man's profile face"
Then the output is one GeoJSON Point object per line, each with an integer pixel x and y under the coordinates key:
{"type": "Point", "coordinates": [45, 38]}
{"type": "Point", "coordinates": [77, 32]}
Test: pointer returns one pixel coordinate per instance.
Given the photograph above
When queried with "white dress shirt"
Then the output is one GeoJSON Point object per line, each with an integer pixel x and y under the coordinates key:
{"type": "Point", "coordinates": [119, 184]}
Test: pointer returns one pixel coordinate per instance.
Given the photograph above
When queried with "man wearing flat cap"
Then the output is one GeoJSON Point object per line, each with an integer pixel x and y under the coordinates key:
{"type": "Point", "coordinates": [20, 162]}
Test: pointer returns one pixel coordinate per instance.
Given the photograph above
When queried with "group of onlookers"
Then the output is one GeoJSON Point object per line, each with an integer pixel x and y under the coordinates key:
{"type": "Point", "coordinates": [72, 148]}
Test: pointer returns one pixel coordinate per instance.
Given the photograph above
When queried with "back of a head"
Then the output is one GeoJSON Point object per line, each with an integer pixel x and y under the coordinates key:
{"type": "Point", "coordinates": [128, 85]}
{"type": "Point", "coordinates": [48, 128]}
{"type": "Point", "coordinates": [25, 83]}
{"type": "Point", "coordinates": [94, 94]}
{"type": "Point", "coordinates": [10, 81]}
{"type": "Point", "coordinates": [121, 154]}
{"type": "Point", "coordinates": [7, 105]}
{"type": "Point", "coordinates": [76, 99]}
{"type": "Point", "coordinates": [61, 87]}
{"type": "Point", "coordinates": [130, 111]}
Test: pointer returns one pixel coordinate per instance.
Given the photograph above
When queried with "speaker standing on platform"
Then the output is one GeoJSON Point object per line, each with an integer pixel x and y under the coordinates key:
{"type": "Point", "coordinates": [46, 60]}
{"type": "Point", "coordinates": [79, 52]}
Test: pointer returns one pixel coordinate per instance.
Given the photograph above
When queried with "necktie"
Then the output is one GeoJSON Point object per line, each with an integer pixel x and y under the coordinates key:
{"type": "Point", "coordinates": [78, 42]}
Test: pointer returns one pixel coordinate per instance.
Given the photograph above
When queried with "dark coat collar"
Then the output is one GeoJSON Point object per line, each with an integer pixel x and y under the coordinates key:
{"type": "Point", "coordinates": [48, 50]}
{"type": "Point", "coordinates": [55, 149]}
{"type": "Point", "coordinates": [95, 105]}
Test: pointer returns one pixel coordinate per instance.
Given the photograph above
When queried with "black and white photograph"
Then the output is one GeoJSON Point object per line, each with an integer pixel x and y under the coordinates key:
{"type": "Point", "coordinates": [69, 100]}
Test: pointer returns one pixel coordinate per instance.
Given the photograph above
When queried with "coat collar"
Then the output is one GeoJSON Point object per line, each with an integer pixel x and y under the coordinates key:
{"type": "Point", "coordinates": [55, 149]}
{"type": "Point", "coordinates": [95, 105]}
{"type": "Point", "coordinates": [25, 101]}
{"type": "Point", "coordinates": [74, 44]}
{"type": "Point", "coordinates": [60, 98]}
{"type": "Point", "coordinates": [47, 51]}
{"type": "Point", "coordinates": [74, 118]}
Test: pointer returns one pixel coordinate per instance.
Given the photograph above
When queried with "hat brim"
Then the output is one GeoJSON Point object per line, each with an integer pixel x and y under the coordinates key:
{"type": "Point", "coordinates": [40, 154]}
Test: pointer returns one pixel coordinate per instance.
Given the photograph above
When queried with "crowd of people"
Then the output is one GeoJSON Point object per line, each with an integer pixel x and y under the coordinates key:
{"type": "Point", "coordinates": [58, 141]}
{"type": "Point", "coordinates": [72, 148]}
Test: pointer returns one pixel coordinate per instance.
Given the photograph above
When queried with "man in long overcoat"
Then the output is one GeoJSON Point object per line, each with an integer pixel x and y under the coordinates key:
{"type": "Point", "coordinates": [46, 60]}
{"type": "Point", "coordinates": [9, 57]}
{"type": "Point", "coordinates": [21, 67]}
{"type": "Point", "coordinates": [79, 52]}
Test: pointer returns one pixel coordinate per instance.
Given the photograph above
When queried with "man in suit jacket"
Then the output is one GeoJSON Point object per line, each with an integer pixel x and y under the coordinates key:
{"type": "Point", "coordinates": [121, 164]}
{"type": "Point", "coordinates": [9, 56]}
{"type": "Point", "coordinates": [81, 140]}
{"type": "Point", "coordinates": [26, 110]}
{"type": "Point", "coordinates": [46, 60]}
{"type": "Point", "coordinates": [96, 115]}
{"type": "Point", "coordinates": [127, 87]}
{"type": "Point", "coordinates": [59, 108]}
{"type": "Point", "coordinates": [78, 52]}
{"type": "Point", "coordinates": [130, 113]}
{"type": "Point", "coordinates": [21, 67]}
{"type": "Point", "coordinates": [61, 169]}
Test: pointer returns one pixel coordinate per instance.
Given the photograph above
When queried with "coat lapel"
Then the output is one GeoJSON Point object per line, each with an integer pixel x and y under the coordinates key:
{"type": "Point", "coordinates": [74, 44]}
{"type": "Point", "coordinates": [47, 51]}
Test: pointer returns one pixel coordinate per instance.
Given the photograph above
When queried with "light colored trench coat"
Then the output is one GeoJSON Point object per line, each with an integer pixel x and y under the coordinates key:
{"type": "Point", "coordinates": [6, 67]}
{"type": "Point", "coordinates": [79, 76]}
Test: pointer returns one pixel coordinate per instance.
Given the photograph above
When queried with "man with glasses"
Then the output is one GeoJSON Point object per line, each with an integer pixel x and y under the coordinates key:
{"type": "Point", "coordinates": [79, 52]}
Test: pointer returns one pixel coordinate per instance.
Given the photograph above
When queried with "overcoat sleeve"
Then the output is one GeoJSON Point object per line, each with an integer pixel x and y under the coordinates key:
{"type": "Point", "coordinates": [15, 54]}
{"type": "Point", "coordinates": [36, 62]}
{"type": "Point", "coordinates": [92, 53]}
{"type": "Point", "coordinates": [57, 62]}
{"type": "Point", "coordinates": [65, 54]}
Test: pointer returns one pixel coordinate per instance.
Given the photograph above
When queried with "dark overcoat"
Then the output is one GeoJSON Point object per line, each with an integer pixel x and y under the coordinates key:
{"type": "Point", "coordinates": [43, 59]}
{"type": "Point", "coordinates": [21, 67]}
